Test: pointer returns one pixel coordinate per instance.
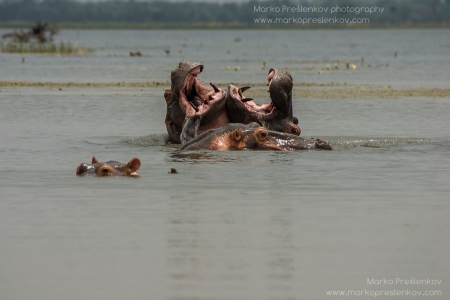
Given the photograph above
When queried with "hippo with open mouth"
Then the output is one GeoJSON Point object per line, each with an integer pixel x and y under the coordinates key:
{"type": "Point", "coordinates": [109, 168]}
{"type": "Point", "coordinates": [237, 136]}
{"type": "Point", "coordinates": [275, 116]}
{"type": "Point", "coordinates": [193, 106]}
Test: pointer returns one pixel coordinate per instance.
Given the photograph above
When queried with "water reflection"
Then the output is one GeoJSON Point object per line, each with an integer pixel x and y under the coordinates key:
{"type": "Point", "coordinates": [147, 141]}
{"type": "Point", "coordinates": [218, 247]}
{"type": "Point", "coordinates": [248, 157]}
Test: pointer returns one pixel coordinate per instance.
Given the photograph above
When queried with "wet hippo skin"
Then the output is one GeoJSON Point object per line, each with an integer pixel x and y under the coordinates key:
{"type": "Point", "coordinates": [237, 136]}
{"type": "Point", "coordinates": [109, 168]}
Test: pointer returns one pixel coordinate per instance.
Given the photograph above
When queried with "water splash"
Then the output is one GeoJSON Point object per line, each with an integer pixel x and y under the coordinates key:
{"type": "Point", "coordinates": [152, 140]}
{"type": "Point", "coordinates": [405, 144]}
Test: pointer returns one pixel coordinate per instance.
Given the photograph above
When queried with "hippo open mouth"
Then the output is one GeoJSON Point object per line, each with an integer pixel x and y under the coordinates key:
{"type": "Point", "coordinates": [198, 98]}
{"type": "Point", "coordinates": [193, 105]}
{"type": "Point", "coordinates": [276, 115]}
{"type": "Point", "coordinates": [247, 104]}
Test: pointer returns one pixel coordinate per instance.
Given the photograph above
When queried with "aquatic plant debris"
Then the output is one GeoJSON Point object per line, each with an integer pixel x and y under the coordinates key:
{"type": "Point", "coordinates": [259, 90]}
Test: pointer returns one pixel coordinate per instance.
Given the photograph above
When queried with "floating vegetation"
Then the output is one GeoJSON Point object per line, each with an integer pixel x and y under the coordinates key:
{"type": "Point", "coordinates": [38, 39]}
{"type": "Point", "coordinates": [61, 48]}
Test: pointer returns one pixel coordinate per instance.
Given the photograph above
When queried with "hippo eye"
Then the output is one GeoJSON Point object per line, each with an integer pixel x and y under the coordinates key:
{"type": "Point", "coordinates": [292, 129]}
{"type": "Point", "coordinates": [263, 134]}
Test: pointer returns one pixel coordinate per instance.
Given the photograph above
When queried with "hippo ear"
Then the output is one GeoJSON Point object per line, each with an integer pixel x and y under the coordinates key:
{"type": "Point", "coordinates": [168, 120]}
{"type": "Point", "coordinates": [134, 164]}
{"type": "Point", "coordinates": [168, 95]}
{"type": "Point", "coordinates": [236, 135]}
{"type": "Point", "coordinates": [94, 160]}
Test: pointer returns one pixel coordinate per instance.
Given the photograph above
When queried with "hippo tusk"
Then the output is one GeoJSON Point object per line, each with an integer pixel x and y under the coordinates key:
{"type": "Point", "coordinates": [243, 89]}
{"type": "Point", "coordinates": [193, 106]}
{"type": "Point", "coordinates": [216, 89]}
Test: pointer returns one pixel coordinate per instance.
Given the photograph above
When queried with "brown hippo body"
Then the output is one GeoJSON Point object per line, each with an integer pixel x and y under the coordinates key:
{"type": "Point", "coordinates": [237, 136]}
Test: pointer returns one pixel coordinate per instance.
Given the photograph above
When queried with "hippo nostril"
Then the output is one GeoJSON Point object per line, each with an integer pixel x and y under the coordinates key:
{"type": "Point", "coordinates": [105, 171]}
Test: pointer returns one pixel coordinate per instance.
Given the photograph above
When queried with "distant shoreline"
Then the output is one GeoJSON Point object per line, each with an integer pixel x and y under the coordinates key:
{"type": "Point", "coordinates": [218, 26]}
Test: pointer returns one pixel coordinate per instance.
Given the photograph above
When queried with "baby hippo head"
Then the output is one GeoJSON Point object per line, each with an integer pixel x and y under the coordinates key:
{"type": "Point", "coordinates": [109, 168]}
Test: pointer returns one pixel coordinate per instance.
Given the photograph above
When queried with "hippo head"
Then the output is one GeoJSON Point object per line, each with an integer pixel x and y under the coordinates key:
{"type": "Point", "coordinates": [109, 168]}
{"type": "Point", "coordinates": [276, 115]}
{"type": "Point", "coordinates": [236, 136]}
{"type": "Point", "coordinates": [192, 98]}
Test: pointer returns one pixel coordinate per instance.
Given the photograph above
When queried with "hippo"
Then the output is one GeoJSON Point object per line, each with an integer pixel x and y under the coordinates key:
{"type": "Point", "coordinates": [238, 136]}
{"type": "Point", "coordinates": [109, 168]}
{"type": "Point", "coordinates": [193, 106]}
{"type": "Point", "coordinates": [275, 116]}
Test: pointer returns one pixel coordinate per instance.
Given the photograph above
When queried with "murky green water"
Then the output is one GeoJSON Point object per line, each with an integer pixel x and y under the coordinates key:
{"type": "Point", "coordinates": [231, 224]}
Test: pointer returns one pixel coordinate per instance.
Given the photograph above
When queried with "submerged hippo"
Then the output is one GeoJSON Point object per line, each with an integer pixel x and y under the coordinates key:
{"type": "Point", "coordinates": [109, 168]}
{"type": "Point", "coordinates": [236, 136]}
{"type": "Point", "coordinates": [193, 106]}
{"type": "Point", "coordinates": [277, 115]}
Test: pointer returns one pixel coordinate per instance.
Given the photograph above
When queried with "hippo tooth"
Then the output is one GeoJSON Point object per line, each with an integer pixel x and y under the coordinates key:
{"type": "Point", "coordinates": [193, 106]}
{"type": "Point", "coordinates": [243, 89]}
{"type": "Point", "coordinates": [216, 89]}
{"type": "Point", "coordinates": [246, 99]}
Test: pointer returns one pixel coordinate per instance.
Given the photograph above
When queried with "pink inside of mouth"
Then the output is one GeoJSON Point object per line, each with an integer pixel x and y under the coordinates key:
{"type": "Point", "coordinates": [196, 93]}
{"type": "Point", "coordinates": [251, 105]}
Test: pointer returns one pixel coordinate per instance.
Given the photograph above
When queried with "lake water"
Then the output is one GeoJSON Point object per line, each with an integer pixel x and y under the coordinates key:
{"type": "Point", "coordinates": [230, 224]}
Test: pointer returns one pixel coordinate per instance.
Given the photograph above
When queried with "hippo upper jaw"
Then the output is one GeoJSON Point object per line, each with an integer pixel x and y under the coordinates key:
{"type": "Point", "coordinates": [280, 88]}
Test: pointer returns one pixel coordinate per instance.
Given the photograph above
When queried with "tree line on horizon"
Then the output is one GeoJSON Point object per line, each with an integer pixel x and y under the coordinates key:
{"type": "Point", "coordinates": [162, 12]}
